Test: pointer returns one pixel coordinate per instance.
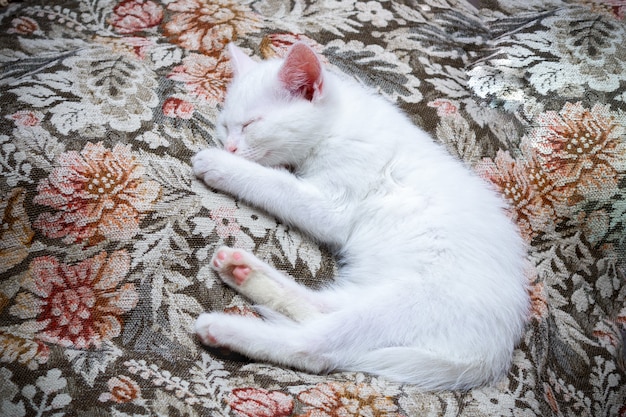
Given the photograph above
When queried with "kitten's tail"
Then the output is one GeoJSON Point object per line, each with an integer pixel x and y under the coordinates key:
{"type": "Point", "coordinates": [427, 370]}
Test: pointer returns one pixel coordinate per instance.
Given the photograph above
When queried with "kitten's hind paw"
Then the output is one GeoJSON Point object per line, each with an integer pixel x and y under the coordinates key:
{"type": "Point", "coordinates": [202, 328]}
{"type": "Point", "coordinates": [234, 266]}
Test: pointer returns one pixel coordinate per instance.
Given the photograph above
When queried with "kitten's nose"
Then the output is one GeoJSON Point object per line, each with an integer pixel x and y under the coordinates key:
{"type": "Point", "coordinates": [232, 148]}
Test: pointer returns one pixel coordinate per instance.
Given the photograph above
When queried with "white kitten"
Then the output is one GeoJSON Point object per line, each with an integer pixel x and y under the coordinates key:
{"type": "Point", "coordinates": [431, 288]}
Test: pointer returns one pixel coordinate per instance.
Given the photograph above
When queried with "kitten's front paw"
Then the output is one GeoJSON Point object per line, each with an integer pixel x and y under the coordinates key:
{"type": "Point", "coordinates": [208, 165]}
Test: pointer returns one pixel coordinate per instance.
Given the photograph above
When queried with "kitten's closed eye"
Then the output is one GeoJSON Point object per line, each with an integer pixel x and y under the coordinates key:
{"type": "Point", "coordinates": [247, 124]}
{"type": "Point", "coordinates": [244, 125]}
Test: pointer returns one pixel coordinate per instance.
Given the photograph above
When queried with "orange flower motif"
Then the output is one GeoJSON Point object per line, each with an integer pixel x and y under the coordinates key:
{"type": "Point", "coordinates": [27, 118]}
{"type": "Point", "coordinates": [538, 301]}
{"type": "Point", "coordinates": [22, 349]}
{"type": "Point", "coordinates": [444, 107]}
{"type": "Point", "coordinates": [550, 399]}
{"type": "Point", "coordinates": [122, 390]}
{"type": "Point", "coordinates": [77, 305]}
{"type": "Point", "coordinates": [613, 8]}
{"type": "Point", "coordinates": [135, 15]}
{"type": "Point", "coordinates": [241, 311]}
{"type": "Point", "coordinates": [100, 194]}
{"type": "Point", "coordinates": [204, 76]}
{"type": "Point", "coordinates": [346, 399]}
{"type": "Point", "coordinates": [207, 26]}
{"type": "Point", "coordinates": [277, 44]}
{"type": "Point", "coordinates": [524, 188]}
{"type": "Point", "coordinates": [177, 108]}
{"type": "Point", "coordinates": [23, 25]}
{"type": "Point", "coordinates": [582, 150]}
{"type": "Point", "coordinates": [135, 46]}
{"type": "Point", "coordinates": [16, 234]}
{"type": "Point", "coordinates": [255, 402]}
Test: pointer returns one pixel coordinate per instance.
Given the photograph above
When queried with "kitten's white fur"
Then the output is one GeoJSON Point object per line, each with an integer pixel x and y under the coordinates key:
{"type": "Point", "coordinates": [431, 287]}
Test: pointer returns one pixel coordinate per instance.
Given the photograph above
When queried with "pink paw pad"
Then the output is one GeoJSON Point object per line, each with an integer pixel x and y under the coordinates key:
{"type": "Point", "coordinates": [219, 259]}
{"type": "Point", "coordinates": [233, 264]}
{"type": "Point", "coordinates": [240, 274]}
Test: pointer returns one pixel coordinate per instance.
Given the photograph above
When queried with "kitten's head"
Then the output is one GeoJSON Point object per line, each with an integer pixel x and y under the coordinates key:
{"type": "Point", "coordinates": [275, 111]}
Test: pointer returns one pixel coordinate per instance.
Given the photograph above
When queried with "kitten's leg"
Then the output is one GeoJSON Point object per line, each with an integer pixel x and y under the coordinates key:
{"type": "Point", "coordinates": [283, 342]}
{"type": "Point", "coordinates": [279, 192]}
{"type": "Point", "coordinates": [264, 285]}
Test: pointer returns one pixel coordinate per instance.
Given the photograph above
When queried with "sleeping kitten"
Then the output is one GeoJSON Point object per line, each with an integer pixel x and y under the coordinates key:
{"type": "Point", "coordinates": [431, 289]}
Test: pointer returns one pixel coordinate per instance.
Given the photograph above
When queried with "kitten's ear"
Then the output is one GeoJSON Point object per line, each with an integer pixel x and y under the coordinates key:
{"type": "Point", "coordinates": [239, 61]}
{"type": "Point", "coordinates": [301, 73]}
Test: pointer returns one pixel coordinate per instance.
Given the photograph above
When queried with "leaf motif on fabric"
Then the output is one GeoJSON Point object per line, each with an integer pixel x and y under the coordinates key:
{"type": "Point", "coordinates": [164, 56]}
{"type": "Point", "coordinates": [336, 17]}
{"type": "Point", "coordinates": [14, 165]}
{"type": "Point", "coordinates": [164, 379]}
{"type": "Point", "coordinates": [120, 88]}
{"type": "Point", "coordinates": [210, 382]}
{"type": "Point", "coordinates": [177, 201]}
{"type": "Point", "coordinates": [376, 68]}
{"type": "Point", "coordinates": [37, 96]}
{"type": "Point", "coordinates": [455, 133]}
{"type": "Point", "coordinates": [182, 312]}
{"type": "Point", "coordinates": [91, 363]}
{"type": "Point", "coordinates": [38, 147]}
{"type": "Point", "coordinates": [63, 16]}
{"type": "Point", "coordinates": [71, 116]}
{"type": "Point", "coordinates": [608, 387]}
{"type": "Point", "coordinates": [549, 77]}
{"type": "Point", "coordinates": [572, 334]}
{"type": "Point", "coordinates": [446, 79]}
{"type": "Point", "coordinates": [438, 31]}
{"type": "Point", "coordinates": [296, 249]}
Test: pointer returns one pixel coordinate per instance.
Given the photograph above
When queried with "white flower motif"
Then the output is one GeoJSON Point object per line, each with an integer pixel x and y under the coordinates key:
{"type": "Point", "coordinates": [373, 11]}
{"type": "Point", "coordinates": [227, 218]}
{"type": "Point", "coordinates": [49, 385]}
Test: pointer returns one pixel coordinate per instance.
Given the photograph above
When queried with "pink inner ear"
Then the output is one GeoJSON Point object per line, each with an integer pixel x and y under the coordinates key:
{"type": "Point", "coordinates": [301, 72]}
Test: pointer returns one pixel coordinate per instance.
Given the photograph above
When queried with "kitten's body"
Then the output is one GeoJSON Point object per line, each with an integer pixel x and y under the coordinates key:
{"type": "Point", "coordinates": [431, 289]}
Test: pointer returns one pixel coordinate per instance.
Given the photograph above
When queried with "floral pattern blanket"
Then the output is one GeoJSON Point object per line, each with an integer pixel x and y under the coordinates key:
{"type": "Point", "coordinates": [106, 235]}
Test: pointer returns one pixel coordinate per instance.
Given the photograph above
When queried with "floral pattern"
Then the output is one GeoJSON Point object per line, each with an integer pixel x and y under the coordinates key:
{"type": "Point", "coordinates": [335, 399]}
{"type": "Point", "coordinates": [77, 305]}
{"type": "Point", "coordinates": [205, 77]}
{"type": "Point", "coordinates": [207, 26]}
{"type": "Point", "coordinates": [100, 194]}
{"type": "Point", "coordinates": [136, 15]}
{"type": "Point", "coordinates": [122, 389]}
{"type": "Point", "coordinates": [254, 402]}
{"type": "Point", "coordinates": [106, 236]}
